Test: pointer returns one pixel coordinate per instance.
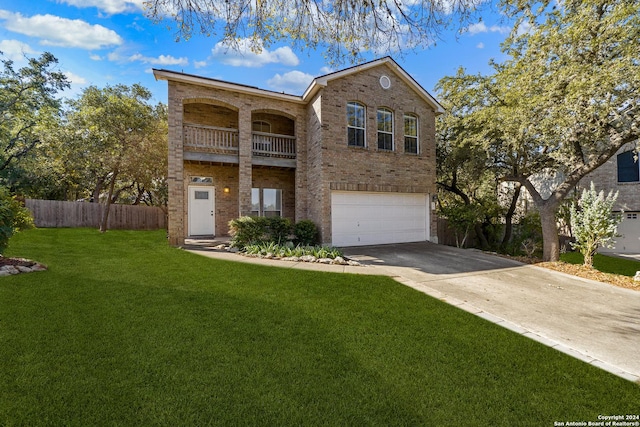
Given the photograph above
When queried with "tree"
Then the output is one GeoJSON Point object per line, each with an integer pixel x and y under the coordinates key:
{"type": "Point", "coordinates": [13, 218]}
{"type": "Point", "coordinates": [593, 223]}
{"type": "Point", "coordinates": [578, 81]}
{"type": "Point", "coordinates": [564, 102]}
{"type": "Point", "coordinates": [110, 133]}
{"type": "Point", "coordinates": [467, 167]}
{"type": "Point", "coordinates": [343, 28]}
{"type": "Point", "coordinates": [26, 100]}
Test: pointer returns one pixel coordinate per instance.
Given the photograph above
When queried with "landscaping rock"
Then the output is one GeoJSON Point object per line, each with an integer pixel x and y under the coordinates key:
{"type": "Point", "coordinates": [220, 247]}
{"type": "Point", "coordinates": [636, 278]}
{"type": "Point", "coordinates": [4, 273]}
{"type": "Point", "coordinates": [291, 258]}
{"type": "Point", "coordinates": [10, 269]}
{"type": "Point", "coordinates": [308, 258]}
{"type": "Point", "coordinates": [339, 260]}
{"type": "Point", "coordinates": [354, 263]}
{"type": "Point", "coordinates": [325, 260]}
{"type": "Point", "coordinates": [233, 250]}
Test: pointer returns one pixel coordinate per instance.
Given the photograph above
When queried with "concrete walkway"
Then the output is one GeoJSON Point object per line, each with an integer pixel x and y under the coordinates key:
{"type": "Point", "coordinates": [592, 321]}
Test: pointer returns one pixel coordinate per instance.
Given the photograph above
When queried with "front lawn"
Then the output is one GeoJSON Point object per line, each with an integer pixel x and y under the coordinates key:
{"type": "Point", "coordinates": [605, 263]}
{"type": "Point", "coordinates": [123, 330]}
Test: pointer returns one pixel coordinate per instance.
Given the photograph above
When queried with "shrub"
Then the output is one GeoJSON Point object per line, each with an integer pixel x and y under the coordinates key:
{"type": "Point", "coordinates": [247, 230]}
{"type": "Point", "coordinates": [527, 236]}
{"type": "Point", "coordinates": [593, 223]}
{"type": "Point", "coordinates": [305, 232]}
{"type": "Point", "coordinates": [279, 229]}
{"type": "Point", "coordinates": [13, 218]}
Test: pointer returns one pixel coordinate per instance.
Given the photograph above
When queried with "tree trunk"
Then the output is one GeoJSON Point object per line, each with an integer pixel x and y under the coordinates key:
{"type": "Point", "coordinates": [550, 241]}
{"type": "Point", "coordinates": [482, 239]}
{"type": "Point", "coordinates": [107, 207]}
{"type": "Point", "coordinates": [508, 218]}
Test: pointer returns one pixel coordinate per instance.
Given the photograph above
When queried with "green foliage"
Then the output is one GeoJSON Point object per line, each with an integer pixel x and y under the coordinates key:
{"type": "Point", "coordinates": [462, 218]}
{"type": "Point", "coordinates": [564, 100]}
{"type": "Point", "coordinates": [152, 342]}
{"type": "Point", "coordinates": [286, 250]}
{"type": "Point", "coordinates": [27, 101]}
{"type": "Point", "coordinates": [305, 232]}
{"type": "Point", "coordinates": [527, 236]}
{"type": "Point", "coordinates": [249, 230]}
{"type": "Point", "coordinates": [593, 222]}
{"type": "Point", "coordinates": [13, 218]}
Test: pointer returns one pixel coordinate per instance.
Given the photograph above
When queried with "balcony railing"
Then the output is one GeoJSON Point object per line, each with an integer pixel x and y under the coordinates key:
{"type": "Point", "coordinates": [211, 139]}
{"type": "Point", "coordinates": [272, 145]}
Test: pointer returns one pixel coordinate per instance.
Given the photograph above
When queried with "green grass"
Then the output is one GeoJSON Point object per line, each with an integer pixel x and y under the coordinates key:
{"type": "Point", "coordinates": [123, 330]}
{"type": "Point", "coordinates": [604, 263]}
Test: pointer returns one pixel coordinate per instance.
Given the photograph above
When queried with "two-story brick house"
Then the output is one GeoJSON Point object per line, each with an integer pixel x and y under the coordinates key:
{"type": "Point", "coordinates": [355, 154]}
{"type": "Point", "coordinates": [621, 173]}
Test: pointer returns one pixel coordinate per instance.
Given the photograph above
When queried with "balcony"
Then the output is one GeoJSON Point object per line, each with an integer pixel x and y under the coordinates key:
{"type": "Point", "coordinates": [210, 139]}
{"type": "Point", "coordinates": [272, 145]}
{"type": "Point", "coordinates": [215, 144]}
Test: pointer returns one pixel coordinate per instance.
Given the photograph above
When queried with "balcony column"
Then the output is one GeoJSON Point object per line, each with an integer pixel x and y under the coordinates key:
{"type": "Point", "coordinates": [245, 180]}
{"type": "Point", "coordinates": [175, 178]}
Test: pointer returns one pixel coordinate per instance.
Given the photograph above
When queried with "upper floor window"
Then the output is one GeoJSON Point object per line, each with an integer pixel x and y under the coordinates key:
{"type": "Point", "coordinates": [410, 134]}
{"type": "Point", "coordinates": [355, 124]}
{"type": "Point", "coordinates": [261, 126]}
{"type": "Point", "coordinates": [385, 129]}
{"type": "Point", "coordinates": [628, 170]}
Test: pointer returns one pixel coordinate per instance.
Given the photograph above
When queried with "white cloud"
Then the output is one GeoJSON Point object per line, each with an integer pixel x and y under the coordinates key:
{"type": "Point", "coordinates": [243, 56]}
{"type": "Point", "coordinates": [15, 50]}
{"type": "Point", "coordinates": [524, 27]}
{"type": "Point", "coordinates": [200, 64]}
{"type": "Point", "coordinates": [160, 60]}
{"type": "Point", "coordinates": [56, 31]}
{"type": "Point", "coordinates": [115, 56]}
{"type": "Point", "coordinates": [291, 82]}
{"type": "Point", "coordinates": [74, 78]}
{"type": "Point", "coordinates": [481, 27]}
{"type": "Point", "coordinates": [109, 6]}
{"type": "Point", "coordinates": [326, 70]}
{"type": "Point", "coordinates": [480, 45]}
{"type": "Point", "coordinates": [95, 57]}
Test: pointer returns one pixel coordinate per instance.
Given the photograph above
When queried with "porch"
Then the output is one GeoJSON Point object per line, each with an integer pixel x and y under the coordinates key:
{"type": "Point", "coordinates": [211, 134]}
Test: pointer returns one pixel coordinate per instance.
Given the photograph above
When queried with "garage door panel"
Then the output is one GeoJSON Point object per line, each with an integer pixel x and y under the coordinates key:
{"type": "Point", "coordinates": [361, 218]}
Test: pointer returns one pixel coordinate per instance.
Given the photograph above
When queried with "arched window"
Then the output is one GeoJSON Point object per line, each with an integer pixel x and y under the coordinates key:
{"type": "Point", "coordinates": [411, 134]}
{"type": "Point", "coordinates": [385, 129]}
{"type": "Point", "coordinates": [355, 124]}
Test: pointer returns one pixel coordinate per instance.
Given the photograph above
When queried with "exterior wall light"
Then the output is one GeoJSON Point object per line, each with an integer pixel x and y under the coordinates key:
{"type": "Point", "coordinates": [226, 190]}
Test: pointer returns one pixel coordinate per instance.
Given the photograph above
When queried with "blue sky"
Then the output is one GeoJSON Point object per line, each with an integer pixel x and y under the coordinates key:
{"type": "Point", "coordinates": [100, 42]}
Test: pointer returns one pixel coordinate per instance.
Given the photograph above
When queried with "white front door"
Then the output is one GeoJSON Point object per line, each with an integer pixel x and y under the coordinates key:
{"type": "Point", "coordinates": [201, 211]}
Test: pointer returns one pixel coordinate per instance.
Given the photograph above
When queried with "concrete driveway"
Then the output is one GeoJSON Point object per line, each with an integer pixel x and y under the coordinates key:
{"type": "Point", "coordinates": [596, 322]}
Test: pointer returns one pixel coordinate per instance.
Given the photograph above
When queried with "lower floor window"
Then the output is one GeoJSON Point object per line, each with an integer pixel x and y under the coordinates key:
{"type": "Point", "coordinates": [266, 202]}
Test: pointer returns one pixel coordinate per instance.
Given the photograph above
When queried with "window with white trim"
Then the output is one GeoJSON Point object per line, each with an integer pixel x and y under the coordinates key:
{"type": "Point", "coordinates": [266, 202]}
{"type": "Point", "coordinates": [411, 134]}
{"type": "Point", "coordinates": [385, 129]}
{"type": "Point", "coordinates": [356, 124]}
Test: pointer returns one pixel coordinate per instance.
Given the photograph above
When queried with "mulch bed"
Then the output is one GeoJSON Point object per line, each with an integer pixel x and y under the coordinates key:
{"type": "Point", "coordinates": [16, 262]}
{"type": "Point", "coordinates": [584, 272]}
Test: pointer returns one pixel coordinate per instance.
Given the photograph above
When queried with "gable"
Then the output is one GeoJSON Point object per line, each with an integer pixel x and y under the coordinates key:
{"type": "Point", "coordinates": [389, 73]}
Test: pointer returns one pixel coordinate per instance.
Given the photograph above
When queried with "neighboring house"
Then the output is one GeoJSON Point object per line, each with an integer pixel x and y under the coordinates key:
{"type": "Point", "coordinates": [621, 173]}
{"type": "Point", "coordinates": [355, 154]}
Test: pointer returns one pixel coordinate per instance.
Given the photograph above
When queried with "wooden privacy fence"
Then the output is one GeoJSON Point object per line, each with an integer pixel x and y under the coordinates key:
{"type": "Point", "coordinates": [56, 213]}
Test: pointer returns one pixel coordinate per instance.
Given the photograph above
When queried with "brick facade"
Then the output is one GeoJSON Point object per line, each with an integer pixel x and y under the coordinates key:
{"type": "Point", "coordinates": [323, 162]}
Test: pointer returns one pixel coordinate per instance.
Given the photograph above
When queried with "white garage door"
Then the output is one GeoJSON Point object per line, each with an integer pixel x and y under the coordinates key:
{"type": "Point", "coordinates": [361, 218]}
{"type": "Point", "coordinates": [629, 229]}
